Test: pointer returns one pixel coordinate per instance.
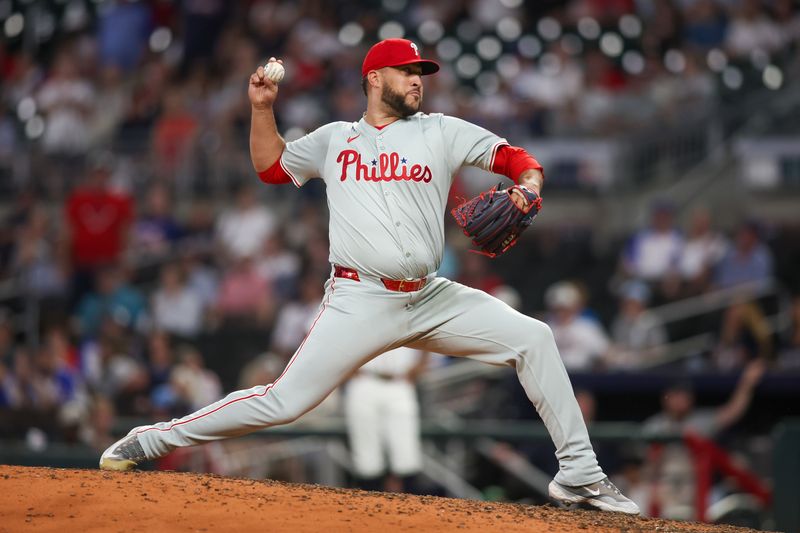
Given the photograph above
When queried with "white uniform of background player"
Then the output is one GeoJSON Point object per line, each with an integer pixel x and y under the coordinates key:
{"type": "Point", "coordinates": [387, 178]}
{"type": "Point", "coordinates": [382, 413]}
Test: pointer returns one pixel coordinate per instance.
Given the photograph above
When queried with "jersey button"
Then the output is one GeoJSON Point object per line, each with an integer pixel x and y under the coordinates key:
{"type": "Point", "coordinates": [386, 193]}
{"type": "Point", "coordinates": [408, 254]}
{"type": "Point", "coordinates": [397, 224]}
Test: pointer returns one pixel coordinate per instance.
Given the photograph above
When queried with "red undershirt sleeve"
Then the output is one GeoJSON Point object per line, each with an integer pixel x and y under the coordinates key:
{"type": "Point", "coordinates": [511, 161]}
{"type": "Point", "coordinates": [275, 174]}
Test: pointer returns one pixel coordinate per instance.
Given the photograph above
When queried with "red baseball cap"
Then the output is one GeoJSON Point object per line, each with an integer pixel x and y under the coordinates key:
{"type": "Point", "coordinates": [394, 53]}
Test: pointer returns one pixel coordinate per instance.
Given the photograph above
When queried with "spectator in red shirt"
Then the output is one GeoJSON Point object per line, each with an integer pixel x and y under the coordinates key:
{"type": "Point", "coordinates": [97, 225]}
{"type": "Point", "coordinates": [244, 297]}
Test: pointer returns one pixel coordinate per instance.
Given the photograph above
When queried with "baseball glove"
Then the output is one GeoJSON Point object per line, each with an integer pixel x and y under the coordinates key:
{"type": "Point", "coordinates": [495, 219]}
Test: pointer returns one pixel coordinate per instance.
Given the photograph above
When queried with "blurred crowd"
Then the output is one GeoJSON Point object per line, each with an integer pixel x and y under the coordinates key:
{"type": "Point", "coordinates": [160, 79]}
{"type": "Point", "coordinates": [145, 270]}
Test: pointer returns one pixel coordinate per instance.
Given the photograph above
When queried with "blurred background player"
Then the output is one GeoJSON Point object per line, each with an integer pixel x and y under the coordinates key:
{"type": "Point", "coordinates": [383, 421]}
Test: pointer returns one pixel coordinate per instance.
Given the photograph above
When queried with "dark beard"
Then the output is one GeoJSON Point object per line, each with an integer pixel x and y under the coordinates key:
{"type": "Point", "coordinates": [397, 103]}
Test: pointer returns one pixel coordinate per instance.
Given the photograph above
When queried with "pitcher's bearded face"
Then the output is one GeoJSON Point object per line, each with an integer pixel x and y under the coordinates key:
{"type": "Point", "coordinates": [403, 105]}
{"type": "Point", "coordinates": [402, 90]}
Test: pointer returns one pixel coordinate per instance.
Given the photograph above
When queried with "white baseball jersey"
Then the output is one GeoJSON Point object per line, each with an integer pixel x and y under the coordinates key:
{"type": "Point", "coordinates": [387, 188]}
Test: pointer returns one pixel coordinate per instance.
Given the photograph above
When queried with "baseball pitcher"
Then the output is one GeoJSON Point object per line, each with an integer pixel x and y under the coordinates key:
{"type": "Point", "coordinates": [387, 177]}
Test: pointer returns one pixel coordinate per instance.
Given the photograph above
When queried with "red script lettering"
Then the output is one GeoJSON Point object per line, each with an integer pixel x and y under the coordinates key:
{"type": "Point", "coordinates": [388, 167]}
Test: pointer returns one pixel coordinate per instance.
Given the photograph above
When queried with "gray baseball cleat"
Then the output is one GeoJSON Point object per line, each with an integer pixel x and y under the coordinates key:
{"type": "Point", "coordinates": [124, 454]}
{"type": "Point", "coordinates": [602, 494]}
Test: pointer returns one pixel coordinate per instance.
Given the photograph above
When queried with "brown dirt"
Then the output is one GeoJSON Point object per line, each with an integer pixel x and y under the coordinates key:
{"type": "Point", "coordinates": [59, 500]}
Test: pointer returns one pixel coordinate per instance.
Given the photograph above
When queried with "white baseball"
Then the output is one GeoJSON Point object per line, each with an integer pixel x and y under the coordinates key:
{"type": "Point", "coordinates": [274, 71]}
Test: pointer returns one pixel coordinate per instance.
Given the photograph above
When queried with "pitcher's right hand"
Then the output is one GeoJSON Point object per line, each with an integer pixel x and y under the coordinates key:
{"type": "Point", "coordinates": [262, 91]}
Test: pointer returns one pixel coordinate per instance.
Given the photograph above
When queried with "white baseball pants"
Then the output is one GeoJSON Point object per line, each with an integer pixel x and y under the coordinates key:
{"type": "Point", "coordinates": [359, 320]}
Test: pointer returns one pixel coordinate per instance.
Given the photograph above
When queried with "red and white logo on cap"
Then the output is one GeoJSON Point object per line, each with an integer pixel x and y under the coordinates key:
{"type": "Point", "coordinates": [396, 53]}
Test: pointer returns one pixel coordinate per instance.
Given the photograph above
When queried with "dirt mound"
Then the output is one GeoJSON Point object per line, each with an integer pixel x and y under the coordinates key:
{"type": "Point", "coordinates": [48, 499]}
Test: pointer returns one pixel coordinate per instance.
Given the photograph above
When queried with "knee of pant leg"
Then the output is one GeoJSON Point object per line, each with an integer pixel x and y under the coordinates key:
{"type": "Point", "coordinates": [287, 415]}
{"type": "Point", "coordinates": [541, 332]}
{"type": "Point", "coordinates": [286, 411]}
{"type": "Point", "coordinates": [538, 335]}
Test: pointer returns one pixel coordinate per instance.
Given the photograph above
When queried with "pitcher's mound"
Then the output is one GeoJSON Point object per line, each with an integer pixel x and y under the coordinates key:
{"type": "Point", "coordinates": [48, 499]}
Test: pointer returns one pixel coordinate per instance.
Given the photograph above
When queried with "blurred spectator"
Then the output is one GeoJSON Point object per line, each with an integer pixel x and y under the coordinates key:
{"type": "Point", "coordinates": [147, 93]}
{"type": "Point", "coordinates": [745, 335]}
{"type": "Point", "coordinates": [176, 308]}
{"type": "Point", "coordinates": [194, 385]}
{"type": "Point", "coordinates": [703, 249]}
{"type": "Point", "coordinates": [174, 134]}
{"type": "Point", "coordinates": [244, 296]}
{"type": "Point", "coordinates": [31, 400]}
{"type": "Point", "coordinates": [675, 486]}
{"type": "Point", "coordinates": [57, 367]}
{"type": "Point", "coordinates": [21, 77]}
{"type": "Point", "coordinates": [66, 98]}
{"type": "Point", "coordinates": [552, 86]}
{"type": "Point", "coordinates": [597, 110]}
{"type": "Point", "coordinates": [639, 336]}
{"type": "Point", "coordinates": [38, 265]}
{"type": "Point", "coordinates": [652, 253]}
{"type": "Point", "coordinates": [123, 31]}
{"type": "Point", "coordinates": [160, 362]}
{"type": "Point", "coordinates": [787, 17]}
{"type": "Point", "coordinates": [111, 371]}
{"type": "Point", "coordinates": [296, 317]}
{"type": "Point", "coordinates": [704, 25]}
{"type": "Point", "coordinates": [749, 260]}
{"type": "Point", "coordinates": [199, 226]}
{"type": "Point", "coordinates": [156, 231]}
{"type": "Point", "coordinates": [13, 223]}
{"type": "Point", "coordinates": [581, 341]}
{"type": "Point", "coordinates": [201, 278]}
{"type": "Point", "coordinates": [59, 344]}
{"type": "Point", "coordinates": [662, 26]}
{"type": "Point", "coordinates": [751, 29]}
{"type": "Point", "coordinates": [97, 429]}
{"type": "Point", "coordinates": [114, 299]}
{"type": "Point", "coordinates": [242, 229]}
{"type": "Point", "coordinates": [675, 94]}
{"type": "Point", "coordinates": [278, 265]}
{"type": "Point", "coordinates": [97, 224]}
